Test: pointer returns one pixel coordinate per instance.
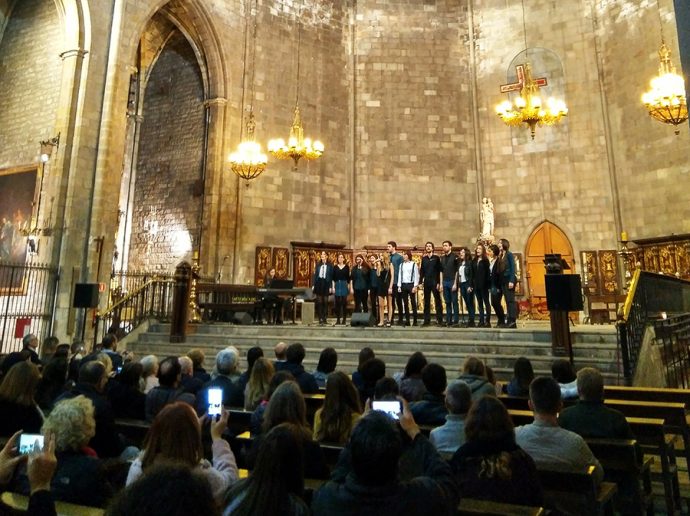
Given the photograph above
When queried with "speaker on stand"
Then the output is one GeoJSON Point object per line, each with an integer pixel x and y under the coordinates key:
{"type": "Point", "coordinates": [85, 296]}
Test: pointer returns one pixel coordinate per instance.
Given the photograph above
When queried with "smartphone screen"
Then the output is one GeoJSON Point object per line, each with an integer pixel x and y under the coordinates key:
{"type": "Point", "coordinates": [119, 370]}
{"type": "Point", "coordinates": [27, 443]}
{"type": "Point", "coordinates": [392, 408]}
{"type": "Point", "coordinates": [215, 401]}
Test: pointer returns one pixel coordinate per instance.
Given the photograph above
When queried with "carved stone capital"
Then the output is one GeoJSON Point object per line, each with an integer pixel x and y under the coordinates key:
{"type": "Point", "coordinates": [76, 52]}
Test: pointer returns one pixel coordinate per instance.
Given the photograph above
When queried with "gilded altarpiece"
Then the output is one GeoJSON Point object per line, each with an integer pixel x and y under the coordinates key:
{"type": "Point", "coordinates": [263, 258]}
{"type": "Point", "coordinates": [667, 255]}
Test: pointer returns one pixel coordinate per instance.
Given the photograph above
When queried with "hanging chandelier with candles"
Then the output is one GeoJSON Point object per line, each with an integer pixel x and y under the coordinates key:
{"type": "Point", "coordinates": [248, 161]}
{"type": "Point", "coordinates": [297, 146]}
{"type": "Point", "coordinates": [528, 108]}
{"type": "Point", "coordinates": [666, 101]}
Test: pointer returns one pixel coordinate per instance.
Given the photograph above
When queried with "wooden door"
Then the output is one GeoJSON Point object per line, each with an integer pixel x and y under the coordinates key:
{"type": "Point", "coordinates": [545, 239]}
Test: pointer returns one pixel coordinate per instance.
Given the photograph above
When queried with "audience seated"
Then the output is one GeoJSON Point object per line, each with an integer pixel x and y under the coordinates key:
{"type": "Point", "coordinates": [168, 390]}
{"type": "Point", "coordinates": [169, 489]}
{"type": "Point", "coordinates": [386, 389]}
{"type": "Point", "coordinates": [187, 382]}
{"type": "Point", "coordinates": [109, 346]}
{"type": "Point", "coordinates": [280, 352]}
{"type": "Point", "coordinates": [79, 477]}
{"type": "Point", "coordinates": [40, 468]}
{"type": "Point", "coordinates": [410, 381]}
{"type": "Point", "coordinates": [327, 363]}
{"type": "Point", "coordinates": [77, 352]}
{"type": "Point", "coordinates": [371, 372]}
{"type": "Point", "coordinates": [365, 354]}
{"type": "Point", "coordinates": [276, 484]}
{"type": "Point", "coordinates": [287, 406]}
{"type": "Point", "coordinates": [523, 374]}
{"type": "Point", "coordinates": [257, 419]}
{"type": "Point", "coordinates": [49, 347]}
{"type": "Point", "coordinates": [474, 375]}
{"type": "Point", "coordinates": [449, 437]}
{"type": "Point", "coordinates": [431, 409]}
{"type": "Point", "coordinates": [549, 445]}
{"type": "Point", "coordinates": [563, 372]}
{"type": "Point", "coordinates": [341, 409]}
{"type": "Point", "coordinates": [590, 417]}
{"type": "Point", "coordinates": [253, 354]}
{"type": "Point", "coordinates": [53, 382]}
{"type": "Point", "coordinates": [175, 437]}
{"type": "Point", "coordinates": [13, 358]}
{"type": "Point", "coordinates": [371, 484]}
{"type": "Point", "coordinates": [18, 408]}
{"type": "Point", "coordinates": [295, 355]}
{"type": "Point", "coordinates": [232, 365]}
{"type": "Point", "coordinates": [92, 379]}
{"type": "Point", "coordinates": [126, 398]}
{"type": "Point", "coordinates": [198, 358]}
{"type": "Point", "coordinates": [259, 382]}
{"type": "Point", "coordinates": [30, 345]}
{"type": "Point", "coordinates": [490, 466]}
{"type": "Point", "coordinates": [149, 373]}
{"type": "Point", "coordinates": [226, 364]}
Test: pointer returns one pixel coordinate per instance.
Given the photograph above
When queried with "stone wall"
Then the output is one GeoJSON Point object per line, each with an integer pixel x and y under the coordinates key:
{"type": "Point", "coordinates": [170, 161]}
{"type": "Point", "coordinates": [414, 148]}
{"type": "Point", "coordinates": [30, 68]}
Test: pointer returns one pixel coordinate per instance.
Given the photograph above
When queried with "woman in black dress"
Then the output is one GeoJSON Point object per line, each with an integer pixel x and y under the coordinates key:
{"type": "Point", "coordinates": [374, 287]}
{"type": "Point", "coordinates": [482, 282]}
{"type": "Point", "coordinates": [360, 284]}
{"type": "Point", "coordinates": [322, 285]}
{"type": "Point", "coordinates": [495, 284]}
{"type": "Point", "coordinates": [341, 279]}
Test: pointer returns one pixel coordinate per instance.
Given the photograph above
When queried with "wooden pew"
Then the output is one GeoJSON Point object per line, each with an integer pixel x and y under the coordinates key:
{"type": "Point", "coordinates": [471, 507]}
{"type": "Point", "coordinates": [133, 429]}
{"type": "Point", "coordinates": [623, 464]}
{"type": "Point", "coordinates": [578, 492]}
{"type": "Point", "coordinates": [620, 392]}
{"type": "Point", "coordinates": [309, 483]}
{"type": "Point", "coordinates": [331, 452]}
{"type": "Point", "coordinates": [21, 503]}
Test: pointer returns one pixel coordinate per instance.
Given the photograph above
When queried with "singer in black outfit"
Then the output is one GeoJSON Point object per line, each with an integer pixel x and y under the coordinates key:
{"type": "Point", "coordinates": [323, 286]}
{"type": "Point", "coordinates": [482, 283]}
{"type": "Point", "coordinates": [430, 277]}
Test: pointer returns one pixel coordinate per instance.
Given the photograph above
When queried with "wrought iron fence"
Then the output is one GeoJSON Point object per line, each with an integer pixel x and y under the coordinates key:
{"type": "Point", "coordinates": [650, 296]}
{"type": "Point", "coordinates": [152, 299]}
{"type": "Point", "coordinates": [27, 297]}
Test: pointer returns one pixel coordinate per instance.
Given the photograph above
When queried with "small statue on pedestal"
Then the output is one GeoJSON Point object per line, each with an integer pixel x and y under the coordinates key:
{"type": "Point", "coordinates": [486, 216]}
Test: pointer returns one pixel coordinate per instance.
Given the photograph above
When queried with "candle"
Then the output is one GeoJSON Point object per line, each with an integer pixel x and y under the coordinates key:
{"type": "Point", "coordinates": [624, 236]}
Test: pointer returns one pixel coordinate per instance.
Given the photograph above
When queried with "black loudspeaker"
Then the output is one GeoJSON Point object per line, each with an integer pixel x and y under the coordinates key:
{"type": "Point", "coordinates": [85, 295]}
{"type": "Point", "coordinates": [242, 318]}
{"type": "Point", "coordinates": [362, 319]}
{"type": "Point", "coordinates": [563, 292]}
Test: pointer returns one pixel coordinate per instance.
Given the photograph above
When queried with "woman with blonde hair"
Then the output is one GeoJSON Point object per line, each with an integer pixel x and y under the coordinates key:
{"type": "Point", "coordinates": [175, 437]}
{"type": "Point", "coordinates": [79, 477]}
{"type": "Point", "coordinates": [17, 400]}
{"type": "Point", "coordinates": [259, 381]}
{"type": "Point", "coordinates": [383, 272]}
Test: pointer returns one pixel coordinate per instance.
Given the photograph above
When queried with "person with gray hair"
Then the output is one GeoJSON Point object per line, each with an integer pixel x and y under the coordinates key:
{"type": "Point", "coordinates": [149, 372]}
{"type": "Point", "coordinates": [30, 344]}
{"type": "Point", "coordinates": [188, 382]}
{"type": "Point", "coordinates": [449, 437]}
{"type": "Point", "coordinates": [590, 418]}
{"type": "Point", "coordinates": [225, 379]}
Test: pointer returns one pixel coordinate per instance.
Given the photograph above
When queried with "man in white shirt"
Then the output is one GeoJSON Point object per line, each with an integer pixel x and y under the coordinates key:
{"type": "Point", "coordinates": [408, 281]}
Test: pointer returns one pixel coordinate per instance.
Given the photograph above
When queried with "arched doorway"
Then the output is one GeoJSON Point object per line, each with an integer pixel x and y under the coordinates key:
{"type": "Point", "coordinates": [547, 238]}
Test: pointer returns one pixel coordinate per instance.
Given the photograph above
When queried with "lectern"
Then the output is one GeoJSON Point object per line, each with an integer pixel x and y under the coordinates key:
{"type": "Point", "coordinates": [563, 295]}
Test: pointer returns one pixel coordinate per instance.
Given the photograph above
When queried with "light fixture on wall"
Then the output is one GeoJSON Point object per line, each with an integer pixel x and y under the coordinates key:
{"type": "Point", "coordinates": [248, 161]}
{"type": "Point", "coordinates": [297, 146]}
{"type": "Point", "coordinates": [528, 108]}
{"type": "Point", "coordinates": [33, 230]}
{"type": "Point", "coordinates": [666, 101]}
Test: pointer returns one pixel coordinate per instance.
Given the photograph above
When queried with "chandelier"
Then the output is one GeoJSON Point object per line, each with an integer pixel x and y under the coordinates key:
{"type": "Point", "coordinates": [666, 101]}
{"type": "Point", "coordinates": [297, 146]}
{"type": "Point", "coordinates": [248, 161]}
{"type": "Point", "coordinates": [528, 108]}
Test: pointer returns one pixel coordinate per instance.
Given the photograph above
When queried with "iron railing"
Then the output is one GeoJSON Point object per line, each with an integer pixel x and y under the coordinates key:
{"type": "Point", "coordinates": [27, 298]}
{"type": "Point", "coordinates": [653, 298]}
{"type": "Point", "coordinates": [152, 299]}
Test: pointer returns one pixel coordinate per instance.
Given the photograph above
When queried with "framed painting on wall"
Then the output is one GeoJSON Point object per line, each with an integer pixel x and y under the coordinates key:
{"type": "Point", "coordinates": [17, 194]}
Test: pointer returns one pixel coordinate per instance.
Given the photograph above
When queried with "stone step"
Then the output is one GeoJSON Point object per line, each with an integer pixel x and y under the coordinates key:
{"type": "Point", "coordinates": [592, 346]}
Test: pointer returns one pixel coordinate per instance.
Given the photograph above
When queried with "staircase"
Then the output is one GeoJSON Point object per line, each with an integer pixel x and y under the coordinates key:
{"type": "Point", "coordinates": [594, 346]}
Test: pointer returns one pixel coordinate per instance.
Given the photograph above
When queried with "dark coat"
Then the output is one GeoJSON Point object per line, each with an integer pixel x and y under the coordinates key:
{"type": "Point", "coordinates": [482, 278]}
{"type": "Point", "coordinates": [430, 410]}
{"type": "Point", "coordinates": [159, 397]}
{"type": "Point", "coordinates": [314, 461]}
{"type": "Point", "coordinates": [522, 488]}
{"type": "Point", "coordinates": [306, 381]}
{"type": "Point", "coordinates": [202, 375]}
{"type": "Point", "coordinates": [432, 492]}
{"type": "Point", "coordinates": [107, 441]}
{"type": "Point", "coordinates": [128, 402]}
{"type": "Point", "coordinates": [232, 395]}
{"type": "Point", "coordinates": [594, 419]}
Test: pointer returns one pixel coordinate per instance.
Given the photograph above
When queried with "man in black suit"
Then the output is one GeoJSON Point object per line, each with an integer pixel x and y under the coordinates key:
{"type": "Point", "coordinates": [430, 273]}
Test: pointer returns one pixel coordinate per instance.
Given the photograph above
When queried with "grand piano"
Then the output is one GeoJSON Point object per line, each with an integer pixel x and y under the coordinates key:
{"type": "Point", "coordinates": [220, 302]}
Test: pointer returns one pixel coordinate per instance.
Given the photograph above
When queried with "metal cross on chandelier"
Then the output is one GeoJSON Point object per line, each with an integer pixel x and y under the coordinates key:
{"type": "Point", "coordinates": [527, 108]}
